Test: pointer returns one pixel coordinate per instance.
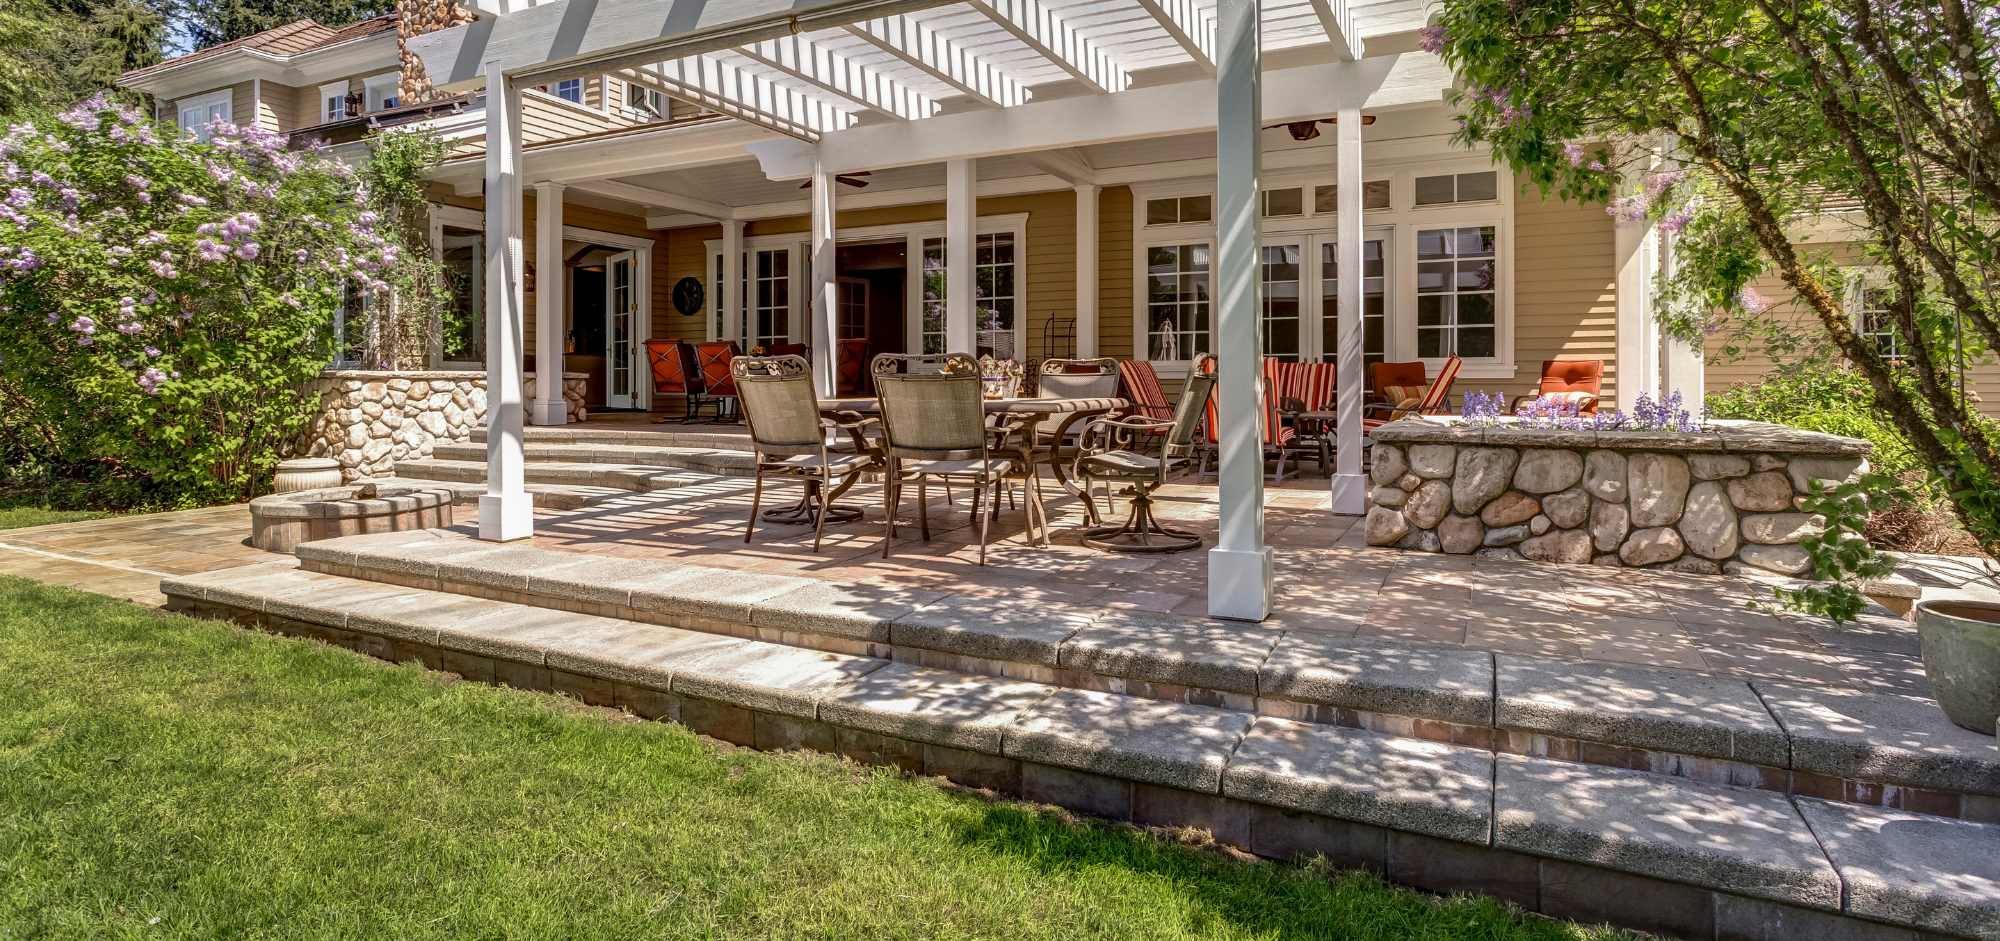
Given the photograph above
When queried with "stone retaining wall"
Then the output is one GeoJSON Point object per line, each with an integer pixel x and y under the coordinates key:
{"type": "Point", "coordinates": [1723, 499]}
{"type": "Point", "coordinates": [371, 419]}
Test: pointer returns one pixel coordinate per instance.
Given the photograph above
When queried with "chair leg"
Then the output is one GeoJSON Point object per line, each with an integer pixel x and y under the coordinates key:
{"type": "Point", "coordinates": [815, 487]}
{"type": "Point", "coordinates": [890, 499]}
{"type": "Point", "coordinates": [1032, 508]}
{"type": "Point", "coordinates": [924, 506]}
{"type": "Point", "coordinates": [756, 497]}
{"type": "Point", "coordinates": [978, 514]}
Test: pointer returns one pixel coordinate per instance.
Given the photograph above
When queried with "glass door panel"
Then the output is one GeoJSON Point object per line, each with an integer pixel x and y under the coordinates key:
{"type": "Point", "coordinates": [621, 308]}
{"type": "Point", "coordinates": [1284, 307]}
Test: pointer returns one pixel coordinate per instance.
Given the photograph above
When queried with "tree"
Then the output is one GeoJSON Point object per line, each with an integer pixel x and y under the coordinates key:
{"type": "Point", "coordinates": [1878, 113]}
{"type": "Point", "coordinates": [216, 21]}
{"type": "Point", "coordinates": [55, 53]}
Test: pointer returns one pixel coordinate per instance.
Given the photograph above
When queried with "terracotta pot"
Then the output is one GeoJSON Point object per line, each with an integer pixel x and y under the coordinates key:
{"type": "Point", "coordinates": [1961, 645]}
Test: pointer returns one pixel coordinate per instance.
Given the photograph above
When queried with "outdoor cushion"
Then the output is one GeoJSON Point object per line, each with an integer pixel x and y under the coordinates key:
{"type": "Point", "coordinates": [969, 467]}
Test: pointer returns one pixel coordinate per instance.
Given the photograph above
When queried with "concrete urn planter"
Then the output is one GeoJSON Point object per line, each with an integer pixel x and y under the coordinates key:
{"type": "Point", "coordinates": [306, 473]}
{"type": "Point", "coordinates": [1961, 648]}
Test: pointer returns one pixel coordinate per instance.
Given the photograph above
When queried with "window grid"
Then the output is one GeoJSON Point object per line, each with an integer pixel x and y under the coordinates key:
{"type": "Point", "coordinates": [770, 296]}
{"type": "Point", "coordinates": [994, 302]}
{"type": "Point", "coordinates": [570, 90]}
{"type": "Point", "coordinates": [1177, 300]}
{"type": "Point", "coordinates": [1877, 324]}
{"type": "Point", "coordinates": [1457, 292]}
{"type": "Point", "coordinates": [1283, 314]}
{"type": "Point", "coordinates": [1374, 303]}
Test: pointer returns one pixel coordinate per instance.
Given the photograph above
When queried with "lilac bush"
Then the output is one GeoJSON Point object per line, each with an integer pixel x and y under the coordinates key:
{"type": "Point", "coordinates": [165, 300]}
{"type": "Point", "coordinates": [1562, 413]}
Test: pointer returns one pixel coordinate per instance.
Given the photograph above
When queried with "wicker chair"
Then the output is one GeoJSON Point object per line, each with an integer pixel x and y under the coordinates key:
{"type": "Point", "coordinates": [1143, 471]}
{"type": "Point", "coordinates": [934, 425]}
{"type": "Point", "coordinates": [789, 435]}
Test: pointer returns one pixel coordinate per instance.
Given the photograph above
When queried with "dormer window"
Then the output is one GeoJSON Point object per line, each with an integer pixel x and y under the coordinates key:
{"type": "Point", "coordinates": [333, 101]}
{"type": "Point", "coordinates": [197, 113]}
{"type": "Point", "coordinates": [383, 91]}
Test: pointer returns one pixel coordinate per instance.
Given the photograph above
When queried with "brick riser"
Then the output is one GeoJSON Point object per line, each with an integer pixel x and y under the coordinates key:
{"type": "Point", "coordinates": [1500, 740]}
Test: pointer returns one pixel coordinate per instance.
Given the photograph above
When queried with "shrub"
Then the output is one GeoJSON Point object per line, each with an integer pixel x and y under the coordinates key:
{"type": "Point", "coordinates": [1821, 397]}
{"type": "Point", "coordinates": [163, 301]}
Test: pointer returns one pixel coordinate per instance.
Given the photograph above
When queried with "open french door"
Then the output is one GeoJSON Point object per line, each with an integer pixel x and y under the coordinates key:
{"type": "Point", "coordinates": [621, 322]}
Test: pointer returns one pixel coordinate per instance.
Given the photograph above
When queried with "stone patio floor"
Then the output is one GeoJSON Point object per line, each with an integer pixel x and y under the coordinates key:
{"type": "Point", "coordinates": [1328, 582]}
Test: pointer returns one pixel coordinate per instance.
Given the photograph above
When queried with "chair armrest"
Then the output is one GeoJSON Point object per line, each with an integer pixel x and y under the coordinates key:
{"type": "Point", "coordinates": [1109, 426]}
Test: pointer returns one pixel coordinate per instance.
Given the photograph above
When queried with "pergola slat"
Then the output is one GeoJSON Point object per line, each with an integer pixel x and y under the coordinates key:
{"type": "Point", "coordinates": [934, 55]}
{"type": "Point", "coordinates": [1337, 18]}
{"type": "Point", "coordinates": [831, 72]}
{"type": "Point", "coordinates": [1185, 23]}
{"type": "Point", "coordinates": [1055, 40]}
{"type": "Point", "coordinates": [735, 92]}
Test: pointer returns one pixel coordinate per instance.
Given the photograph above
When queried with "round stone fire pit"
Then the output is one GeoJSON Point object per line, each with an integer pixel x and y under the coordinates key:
{"type": "Point", "coordinates": [280, 521]}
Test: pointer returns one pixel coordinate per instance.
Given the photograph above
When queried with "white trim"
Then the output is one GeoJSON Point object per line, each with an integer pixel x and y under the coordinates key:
{"type": "Point", "coordinates": [371, 98]}
{"type": "Point", "coordinates": [330, 90]}
{"type": "Point", "coordinates": [203, 105]}
{"type": "Point", "coordinates": [941, 59]}
{"type": "Point", "coordinates": [1052, 38]}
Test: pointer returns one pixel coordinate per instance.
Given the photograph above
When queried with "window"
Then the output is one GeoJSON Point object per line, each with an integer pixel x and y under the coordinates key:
{"type": "Point", "coordinates": [350, 327]}
{"type": "Point", "coordinates": [1177, 298]}
{"type": "Point", "coordinates": [333, 101]}
{"type": "Point", "coordinates": [197, 113]}
{"type": "Point", "coordinates": [769, 318]}
{"type": "Point", "coordinates": [1374, 302]}
{"type": "Point", "coordinates": [1282, 310]}
{"type": "Point", "coordinates": [1483, 186]}
{"type": "Point", "coordinates": [1868, 301]}
{"type": "Point", "coordinates": [1457, 292]}
{"type": "Point", "coordinates": [462, 327]}
{"type": "Point", "coordinates": [1284, 202]}
{"type": "Point", "coordinates": [995, 299]}
{"type": "Point", "coordinates": [570, 90]}
{"type": "Point", "coordinates": [382, 91]}
{"type": "Point", "coordinates": [932, 328]}
{"type": "Point", "coordinates": [1374, 195]}
{"type": "Point", "coordinates": [644, 103]}
{"type": "Point", "coordinates": [1174, 210]}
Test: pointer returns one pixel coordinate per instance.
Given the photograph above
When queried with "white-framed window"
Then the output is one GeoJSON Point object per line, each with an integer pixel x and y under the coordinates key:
{"type": "Point", "coordinates": [643, 103]}
{"type": "Point", "coordinates": [768, 320]}
{"type": "Point", "coordinates": [1458, 292]}
{"type": "Point", "coordinates": [333, 101]}
{"type": "Point", "coordinates": [1444, 189]}
{"type": "Point", "coordinates": [1374, 299]}
{"type": "Point", "coordinates": [1284, 307]}
{"type": "Point", "coordinates": [1178, 210]}
{"type": "Point", "coordinates": [198, 112]}
{"type": "Point", "coordinates": [382, 92]}
{"type": "Point", "coordinates": [1868, 298]}
{"type": "Point", "coordinates": [1178, 284]}
{"type": "Point", "coordinates": [1374, 195]}
{"type": "Point", "coordinates": [1283, 202]}
{"type": "Point", "coordinates": [569, 89]}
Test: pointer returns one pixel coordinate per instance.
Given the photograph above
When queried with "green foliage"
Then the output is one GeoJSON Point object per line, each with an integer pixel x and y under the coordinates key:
{"type": "Point", "coordinates": [393, 181]}
{"type": "Point", "coordinates": [216, 21]}
{"type": "Point", "coordinates": [1842, 558]}
{"type": "Point", "coordinates": [164, 302]}
{"type": "Point", "coordinates": [1821, 396]}
{"type": "Point", "coordinates": [54, 52]}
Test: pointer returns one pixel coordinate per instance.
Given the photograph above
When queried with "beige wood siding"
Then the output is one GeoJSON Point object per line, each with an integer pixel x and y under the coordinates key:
{"type": "Point", "coordinates": [1114, 272]}
{"type": "Point", "coordinates": [1565, 291]}
{"type": "Point", "coordinates": [287, 109]}
{"type": "Point", "coordinates": [242, 104]}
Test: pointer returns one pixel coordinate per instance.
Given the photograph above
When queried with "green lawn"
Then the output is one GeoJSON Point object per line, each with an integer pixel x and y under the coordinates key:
{"type": "Point", "coordinates": [165, 777]}
{"type": "Point", "coordinates": [23, 515]}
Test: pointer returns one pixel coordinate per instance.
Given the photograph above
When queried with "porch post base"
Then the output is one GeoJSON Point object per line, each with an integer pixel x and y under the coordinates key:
{"type": "Point", "coordinates": [548, 413]}
{"type": "Point", "coordinates": [505, 517]}
{"type": "Point", "coordinates": [1239, 583]}
{"type": "Point", "coordinates": [1350, 494]}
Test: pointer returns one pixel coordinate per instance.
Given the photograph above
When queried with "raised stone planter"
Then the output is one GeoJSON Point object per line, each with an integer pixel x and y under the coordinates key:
{"type": "Point", "coordinates": [281, 521]}
{"type": "Point", "coordinates": [371, 419]}
{"type": "Point", "coordinates": [1724, 499]}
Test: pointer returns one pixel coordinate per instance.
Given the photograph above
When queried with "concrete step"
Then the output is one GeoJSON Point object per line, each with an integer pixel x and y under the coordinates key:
{"type": "Point", "coordinates": [582, 477]}
{"type": "Point", "coordinates": [706, 460]}
{"type": "Point", "coordinates": [672, 434]}
{"type": "Point", "coordinates": [546, 495]}
{"type": "Point", "coordinates": [1572, 840]}
{"type": "Point", "coordinates": [1866, 748]}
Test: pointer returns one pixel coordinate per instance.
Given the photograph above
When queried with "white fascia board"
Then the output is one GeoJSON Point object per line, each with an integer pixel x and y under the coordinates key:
{"type": "Point", "coordinates": [645, 150]}
{"type": "Point", "coordinates": [836, 74]}
{"type": "Point", "coordinates": [1378, 84]}
{"type": "Point", "coordinates": [1055, 40]}
{"type": "Point", "coordinates": [654, 199]}
{"type": "Point", "coordinates": [711, 83]}
{"type": "Point", "coordinates": [925, 50]}
{"type": "Point", "coordinates": [677, 220]}
{"type": "Point", "coordinates": [1337, 19]}
{"type": "Point", "coordinates": [1185, 22]}
{"type": "Point", "coordinates": [565, 38]}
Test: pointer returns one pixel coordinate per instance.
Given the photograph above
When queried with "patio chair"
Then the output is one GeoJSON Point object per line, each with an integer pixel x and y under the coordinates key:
{"type": "Point", "coordinates": [1071, 379]}
{"type": "Point", "coordinates": [934, 425]}
{"type": "Point", "coordinates": [790, 349]}
{"type": "Point", "coordinates": [1577, 380]}
{"type": "Point", "coordinates": [1141, 386]}
{"type": "Point", "coordinates": [1310, 387]}
{"type": "Point", "coordinates": [1143, 471]}
{"type": "Point", "coordinates": [718, 383]}
{"type": "Point", "coordinates": [1280, 439]}
{"type": "Point", "coordinates": [1392, 383]}
{"type": "Point", "coordinates": [851, 369]}
{"type": "Point", "coordinates": [674, 374]}
{"type": "Point", "coordinates": [789, 434]}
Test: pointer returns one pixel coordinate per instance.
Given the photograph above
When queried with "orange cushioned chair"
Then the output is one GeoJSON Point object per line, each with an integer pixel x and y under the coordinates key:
{"type": "Point", "coordinates": [712, 361]}
{"type": "Point", "coordinates": [1578, 379]}
{"type": "Point", "coordinates": [674, 374]}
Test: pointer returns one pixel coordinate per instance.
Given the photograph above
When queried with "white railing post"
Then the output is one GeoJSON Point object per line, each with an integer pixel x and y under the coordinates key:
{"type": "Point", "coordinates": [825, 300]}
{"type": "Point", "coordinates": [1239, 567]}
{"type": "Point", "coordinates": [505, 512]}
{"type": "Point", "coordinates": [1350, 487]}
{"type": "Point", "coordinates": [961, 214]}
{"type": "Point", "coordinates": [1086, 270]}
{"type": "Point", "coordinates": [553, 283]}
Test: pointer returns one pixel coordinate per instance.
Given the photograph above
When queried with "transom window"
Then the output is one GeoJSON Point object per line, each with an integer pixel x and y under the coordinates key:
{"type": "Point", "coordinates": [1457, 292]}
{"type": "Point", "coordinates": [1177, 301]}
{"type": "Point", "coordinates": [1374, 195]}
{"type": "Point", "coordinates": [1174, 210]}
{"type": "Point", "coordinates": [1280, 203]}
{"type": "Point", "coordinates": [1483, 186]}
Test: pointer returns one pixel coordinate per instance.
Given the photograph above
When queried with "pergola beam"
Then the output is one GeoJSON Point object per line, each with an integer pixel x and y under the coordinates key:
{"type": "Point", "coordinates": [940, 58]}
{"type": "Point", "coordinates": [652, 198]}
{"type": "Point", "coordinates": [720, 86]}
{"type": "Point", "coordinates": [1337, 18]}
{"type": "Point", "coordinates": [1185, 23]}
{"type": "Point", "coordinates": [1055, 40]}
{"type": "Point", "coordinates": [836, 74]}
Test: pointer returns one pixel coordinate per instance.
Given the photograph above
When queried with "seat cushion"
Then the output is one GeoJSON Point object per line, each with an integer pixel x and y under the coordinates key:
{"type": "Point", "coordinates": [1120, 464]}
{"type": "Point", "coordinates": [838, 462]}
{"type": "Point", "coordinates": [970, 467]}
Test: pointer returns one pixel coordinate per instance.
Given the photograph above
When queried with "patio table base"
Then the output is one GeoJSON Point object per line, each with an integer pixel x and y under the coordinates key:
{"type": "Point", "coordinates": [807, 514]}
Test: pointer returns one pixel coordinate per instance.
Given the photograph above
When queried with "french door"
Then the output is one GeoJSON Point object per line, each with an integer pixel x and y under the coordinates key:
{"type": "Point", "coordinates": [621, 321]}
{"type": "Point", "coordinates": [1300, 278]}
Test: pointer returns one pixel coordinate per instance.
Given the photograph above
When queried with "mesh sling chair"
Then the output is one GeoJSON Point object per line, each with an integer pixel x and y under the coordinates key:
{"type": "Point", "coordinates": [674, 374]}
{"type": "Point", "coordinates": [789, 435]}
{"type": "Point", "coordinates": [1071, 379]}
{"type": "Point", "coordinates": [934, 425]}
{"type": "Point", "coordinates": [1143, 472]}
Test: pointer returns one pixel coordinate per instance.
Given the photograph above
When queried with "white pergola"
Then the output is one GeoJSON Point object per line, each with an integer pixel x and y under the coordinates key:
{"type": "Point", "coordinates": [879, 84]}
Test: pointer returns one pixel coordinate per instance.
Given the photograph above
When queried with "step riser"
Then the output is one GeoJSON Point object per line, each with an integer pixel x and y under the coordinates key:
{"type": "Point", "coordinates": [729, 466]}
{"type": "Point", "coordinates": [670, 436]}
{"type": "Point", "coordinates": [1554, 886]}
{"type": "Point", "coordinates": [1490, 737]}
{"type": "Point", "coordinates": [544, 474]}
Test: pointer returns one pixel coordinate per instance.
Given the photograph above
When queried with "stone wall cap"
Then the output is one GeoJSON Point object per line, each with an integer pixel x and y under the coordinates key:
{"type": "Point", "coordinates": [1406, 784]}
{"type": "Point", "coordinates": [453, 375]}
{"type": "Point", "coordinates": [1143, 740]}
{"type": "Point", "coordinates": [1666, 710]}
{"type": "Point", "coordinates": [1719, 435]}
{"type": "Point", "coordinates": [1882, 737]}
{"type": "Point", "coordinates": [1935, 873]}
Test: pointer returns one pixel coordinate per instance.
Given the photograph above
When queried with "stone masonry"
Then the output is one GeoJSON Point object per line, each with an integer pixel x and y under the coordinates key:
{"type": "Point", "coordinates": [369, 420]}
{"type": "Point", "coordinates": [1724, 499]}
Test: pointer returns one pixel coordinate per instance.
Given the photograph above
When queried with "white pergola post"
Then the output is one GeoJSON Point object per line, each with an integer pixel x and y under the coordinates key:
{"type": "Point", "coordinates": [1086, 270]}
{"type": "Point", "coordinates": [1638, 344]}
{"type": "Point", "coordinates": [1239, 567]}
{"type": "Point", "coordinates": [825, 302]}
{"type": "Point", "coordinates": [1350, 487]}
{"type": "Point", "coordinates": [505, 512]}
{"type": "Point", "coordinates": [730, 294]}
{"type": "Point", "coordinates": [1682, 368]}
{"type": "Point", "coordinates": [961, 212]}
{"type": "Point", "coordinates": [550, 288]}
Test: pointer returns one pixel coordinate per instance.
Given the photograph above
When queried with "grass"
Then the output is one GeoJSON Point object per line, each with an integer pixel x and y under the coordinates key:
{"type": "Point", "coordinates": [166, 777]}
{"type": "Point", "coordinates": [24, 515]}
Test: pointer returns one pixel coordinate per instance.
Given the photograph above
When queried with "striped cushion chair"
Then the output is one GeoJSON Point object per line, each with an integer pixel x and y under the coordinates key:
{"type": "Point", "coordinates": [1141, 386]}
{"type": "Point", "coordinates": [1311, 387]}
{"type": "Point", "coordinates": [1278, 437]}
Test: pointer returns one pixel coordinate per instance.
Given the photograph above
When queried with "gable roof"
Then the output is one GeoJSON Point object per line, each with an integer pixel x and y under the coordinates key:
{"type": "Point", "coordinates": [291, 39]}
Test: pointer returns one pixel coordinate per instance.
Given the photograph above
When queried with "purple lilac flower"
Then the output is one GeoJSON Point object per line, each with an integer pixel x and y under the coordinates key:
{"type": "Point", "coordinates": [163, 266]}
{"type": "Point", "coordinates": [152, 379]}
{"type": "Point", "coordinates": [207, 250]}
{"type": "Point", "coordinates": [247, 251]}
{"type": "Point", "coordinates": [130, 327]}
{"type": "Point", "coordinates": [190, 199]}
{"type": "Point", "coordinates": [1431, 39]}
{"type": "Point", "coordinates": [1573, 152]}
{"type": "Point", "coordinates": [84, 326]}
{"type": "Point", "coordinates": [41, 179]}
{"type": "Point", "coordinates": [136, 181]}
{"type": "Point", "coordinates": [1658, 183]}
{"type": "Point", "coordinates": [152, 352]}
{"type": "Point", "coordinates": [1677, 220]}
{"type": "Point", "coordinates": [1751, 301]}
{"type": "Point", "coordinates": [19, 198]}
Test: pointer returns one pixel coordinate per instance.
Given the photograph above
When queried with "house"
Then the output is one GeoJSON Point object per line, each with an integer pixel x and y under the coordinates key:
{"type": "Point", "coordinates": [723, 170]}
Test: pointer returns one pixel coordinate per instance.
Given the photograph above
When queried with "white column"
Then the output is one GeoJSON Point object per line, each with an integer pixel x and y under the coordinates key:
{"type": "Point", "coordinates": [730, 294]}
{"type": "Point", "coordinates": [505, 512]}
{"type": "Point", "coordinates": [550, 288]}
{"type": "Point", "coordinates": [1350, 487]}
{"type": "Point", "coordinates": [1682, 368]}
{"type": "Point", "coordinates": [1239, 567]}
{"type": "Point", "coordinates": [824, 301]}
{"type": "Point", "coordinates": [1638, 329]}
{"type": "Point", "coordinates": [1086, 270]}
{"type": "Point", "coordinates": [961, 214]}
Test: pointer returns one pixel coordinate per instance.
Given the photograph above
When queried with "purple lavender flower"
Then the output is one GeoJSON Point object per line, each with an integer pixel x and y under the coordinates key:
{"type": "Point", "coordinates": [1431, 39]}
{"type": "Point", "coordinates": [152, 379]}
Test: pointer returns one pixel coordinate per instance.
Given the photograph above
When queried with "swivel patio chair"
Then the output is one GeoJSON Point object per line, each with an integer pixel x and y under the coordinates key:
{"type": "Point", "coordinates": [1108, 457]}
{"type": "Point", "coordinates": [934, 425]}
{"type": "Point", "coordinates": [674, 374]}
{"type": "Point", "coordinates": [1071, 379]}
{"type": "Point", "coordinates": [789, 436]}
{"type": "Point", "coordinates": [718, 384]}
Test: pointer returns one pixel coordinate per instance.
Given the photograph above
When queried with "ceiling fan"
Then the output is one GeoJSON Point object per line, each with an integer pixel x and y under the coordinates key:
{"type": "Point", "coordinates": [1308, 130]}
{"type": "Point", "coordinates": [852, 179]}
